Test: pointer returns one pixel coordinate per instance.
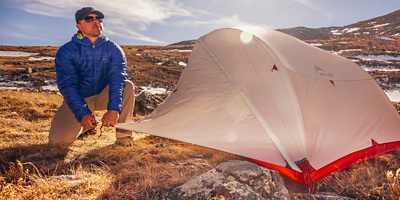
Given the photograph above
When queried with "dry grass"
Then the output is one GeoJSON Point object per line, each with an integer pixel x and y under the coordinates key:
{"type": "Point", "coordinates": [378, 178]}
{"type": "Point", "coordinates": [94, 168]}
{"type": "Point", "coordinates": [89, 168]}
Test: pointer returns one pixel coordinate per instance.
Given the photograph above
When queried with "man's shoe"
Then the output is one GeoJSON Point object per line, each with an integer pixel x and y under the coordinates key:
{"type": "Point", "coordinates": [125, 141]}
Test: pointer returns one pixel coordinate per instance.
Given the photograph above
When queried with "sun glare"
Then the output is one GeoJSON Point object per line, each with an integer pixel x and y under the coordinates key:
{"type": "Point", "coordinates": [246, 37]}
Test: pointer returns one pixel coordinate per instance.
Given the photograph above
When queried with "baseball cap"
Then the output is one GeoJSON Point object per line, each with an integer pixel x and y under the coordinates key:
{"type": "Point", "coordinates": [85, 11]}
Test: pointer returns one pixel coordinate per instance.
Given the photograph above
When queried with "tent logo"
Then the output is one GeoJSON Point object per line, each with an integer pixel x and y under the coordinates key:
{"type": "Point", "coordinates": [322, 72]}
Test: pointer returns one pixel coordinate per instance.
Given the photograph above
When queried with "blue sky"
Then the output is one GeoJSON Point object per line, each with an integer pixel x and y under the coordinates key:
{"type": "Point", "coordinates": [162, 22]}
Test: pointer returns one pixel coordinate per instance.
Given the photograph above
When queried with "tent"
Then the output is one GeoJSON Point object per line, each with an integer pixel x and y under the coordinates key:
{"type": "Point", "coordinates": [270, 97]}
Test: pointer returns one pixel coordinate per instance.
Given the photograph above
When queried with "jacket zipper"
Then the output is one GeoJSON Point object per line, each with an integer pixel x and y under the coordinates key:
{"type": "Point", "coordinates": [94, 68]}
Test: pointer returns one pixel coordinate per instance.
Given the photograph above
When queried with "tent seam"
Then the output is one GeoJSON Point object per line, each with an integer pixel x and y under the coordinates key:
{"type": "Point", "coordinates": [289, 85]}
{"type": "Point", "coordinates": [267, 128]}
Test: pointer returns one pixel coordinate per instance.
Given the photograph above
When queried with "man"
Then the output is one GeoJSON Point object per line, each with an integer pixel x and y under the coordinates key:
{"type": "Point", "coordinates": [91, 75]}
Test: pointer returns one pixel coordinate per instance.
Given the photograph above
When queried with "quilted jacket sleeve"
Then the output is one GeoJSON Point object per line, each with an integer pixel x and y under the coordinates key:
{"type": "Point", "coordinates": [117, 75]}
{"type": "Point", "coordinates": [68, 82]}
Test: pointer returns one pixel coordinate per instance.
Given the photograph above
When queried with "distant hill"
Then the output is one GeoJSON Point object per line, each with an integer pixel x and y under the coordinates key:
{"type": "Point", "coordinates": [387, 25]}
{"type": "Point", "coordinates": [185, 42]}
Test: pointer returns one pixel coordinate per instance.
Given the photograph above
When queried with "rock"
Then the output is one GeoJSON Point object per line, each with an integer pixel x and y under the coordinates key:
{"type": "Point", "coordinates": [146, 102]}
{"type": "Point", "coordinates": [39, 83]}
{"type": "Point", "coordinates": [241, 180]}
{"type": "Point", "coordinates": [29, 70]}
{"type": "Point", "coordinates": [233, 180]}
{"type": "Point", "coordinates": [168, 63]}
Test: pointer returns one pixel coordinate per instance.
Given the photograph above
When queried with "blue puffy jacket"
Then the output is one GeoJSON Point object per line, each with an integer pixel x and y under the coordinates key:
{"type": "Point", "coordinates": [84, 70]}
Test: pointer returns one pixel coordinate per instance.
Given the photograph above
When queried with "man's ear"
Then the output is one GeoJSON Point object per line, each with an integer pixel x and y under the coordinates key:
{"type": "Point", "coordinates": [78, 26]}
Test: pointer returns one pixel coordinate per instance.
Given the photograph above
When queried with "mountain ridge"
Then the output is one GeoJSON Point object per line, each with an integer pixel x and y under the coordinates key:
{"type": "Point", "coordinates": [385, 25]}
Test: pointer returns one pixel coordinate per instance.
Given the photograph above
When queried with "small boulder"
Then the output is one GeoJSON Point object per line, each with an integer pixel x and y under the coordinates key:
{"type": "Point", "coordinates": [146, 102]}
{"type": "Point", "coordinates": [233, 180]}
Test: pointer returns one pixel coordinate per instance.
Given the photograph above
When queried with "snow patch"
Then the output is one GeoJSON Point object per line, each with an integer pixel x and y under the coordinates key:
{"type": "Point", "coordinates": [349, 50]}
{"type": "Point", "coordinates": [40, 59]}
{"type": "Point", "coordinates": [336, 32]}
{"type": "Point", "coordinates": [380, 25]}
{"type": "Point", "coordinates": [378, 68]}
{"type": "Point", "coordinates": [349, 30]}
{"type": "Point", "coordinates": [154, 90]}
{"type": "Point", "coordinates": [384, 58]}
{"type": "Point", "coordinates": [182, 64]}
{"type": "Point", "coordinates": [386, 38]}
{"type": "Point", "coordinates": [393, 95]}
{"type": "Point", "coordinates": [17, 54]}
{"type": "Point", "coordinates": [316, 44]}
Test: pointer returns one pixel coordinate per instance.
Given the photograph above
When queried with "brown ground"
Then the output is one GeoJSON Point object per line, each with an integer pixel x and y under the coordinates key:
{"type": "Point", "coordinates": [29, 168]}
{"type": "Point", "coordinates": [144, 70]}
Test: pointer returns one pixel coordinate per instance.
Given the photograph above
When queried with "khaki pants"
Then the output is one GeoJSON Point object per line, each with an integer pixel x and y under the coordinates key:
{"type": "Point", "coordinates": [65, 128]}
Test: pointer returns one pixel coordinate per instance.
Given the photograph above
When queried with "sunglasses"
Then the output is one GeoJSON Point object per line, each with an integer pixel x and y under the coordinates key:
{"type": "Point", "coordinates": [91, 18]}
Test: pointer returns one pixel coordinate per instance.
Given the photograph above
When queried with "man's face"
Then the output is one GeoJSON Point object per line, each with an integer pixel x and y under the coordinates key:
{"type": "Point", "coordinates": [91, 26]}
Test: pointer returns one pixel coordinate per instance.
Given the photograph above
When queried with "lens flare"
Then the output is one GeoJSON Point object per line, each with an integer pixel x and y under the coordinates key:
{"type": "Point", "coordinates": [246, 37]}
{"type": "Point", "coordinates": [232, 137]}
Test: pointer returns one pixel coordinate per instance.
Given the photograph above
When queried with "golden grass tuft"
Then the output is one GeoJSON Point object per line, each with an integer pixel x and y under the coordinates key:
{"type": "Point", "coordinates": [367, 180]}
{"type": "Point", "coordinates": [79, 184]}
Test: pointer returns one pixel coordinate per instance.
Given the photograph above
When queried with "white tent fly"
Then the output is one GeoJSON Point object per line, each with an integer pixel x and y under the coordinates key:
{"type": "Point", "coordinates": [270, 97]}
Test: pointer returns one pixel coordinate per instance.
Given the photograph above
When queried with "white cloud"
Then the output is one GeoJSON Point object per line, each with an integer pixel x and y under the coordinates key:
{"type": "Point", "coordinates": [48, 8]}
{"type": "Point", "coordinates": [228, 21]}
{"type": "Point", "coordinates": [130, 34]}
{"type": "Point", "coordinates": [138, 11]}
{"type": "Point", "coordinates": [125, 18]}
{"type": "Point", "coordinates": [131, 19]}
{"type": "Point", "coordinates": [170, 20]}
{"type": "Point", "coordinates": [308, 3]}
{"type": "Point", "coordinates": [145, 12]}
{"type": "Point", "coordinates": [23, 35]}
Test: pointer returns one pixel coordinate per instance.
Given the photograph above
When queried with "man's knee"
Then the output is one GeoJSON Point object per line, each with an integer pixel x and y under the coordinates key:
{"type": "Point", "coordinates": [129, 87]}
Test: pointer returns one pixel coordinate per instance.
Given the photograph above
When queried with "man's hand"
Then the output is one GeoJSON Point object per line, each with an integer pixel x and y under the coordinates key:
{"type": "Point", "coordinates": [88, 122]}
{"type": "Point", "coordinates": [110, 118]}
